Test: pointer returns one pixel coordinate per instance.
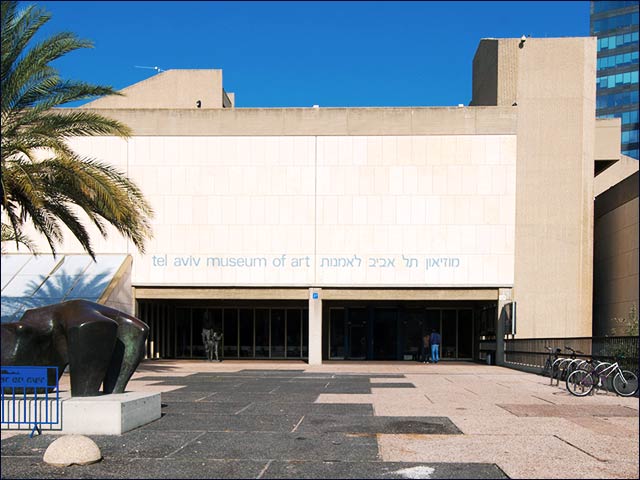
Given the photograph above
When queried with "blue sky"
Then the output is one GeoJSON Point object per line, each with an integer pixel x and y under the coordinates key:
{"type": "Point", "coordinates": [296, 54]}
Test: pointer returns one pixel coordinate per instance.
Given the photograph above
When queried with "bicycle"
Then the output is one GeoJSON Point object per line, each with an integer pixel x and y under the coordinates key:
{"type": "Point", "coordinates": [574, 364]}
{"type": "Point", "coordinates": [560, 366]}
{"type": "Point", "coordinates": [582, 382]}
{"type": "Point", "coordinates": [548, 364]}
{"type": "Point", "coordinates": [556, 369]}
{"type": "Point", "coordinates": [591, 366]}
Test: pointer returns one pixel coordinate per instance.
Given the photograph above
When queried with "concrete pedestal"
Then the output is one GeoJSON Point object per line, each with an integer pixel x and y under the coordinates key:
{"type": "Point", "coordinates": [112, 414]}
{"type": "Point", "coordinates": [109, 414]}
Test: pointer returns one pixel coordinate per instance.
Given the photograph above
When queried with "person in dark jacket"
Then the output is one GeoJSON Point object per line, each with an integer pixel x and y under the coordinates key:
{"type": "Point", "coordinates": [435, 346]}
{"type": "Point", "coordinates": [425, 350]}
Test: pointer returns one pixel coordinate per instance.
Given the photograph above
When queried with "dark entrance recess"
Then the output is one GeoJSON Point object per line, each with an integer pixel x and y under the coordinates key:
{"type": "Point", "coordinates": [351, 330]}
{"type": "Point", "coordinates": [250, 329]}
{"type": "Point", "coordinates": [385, 334]}
{"type": "Point", "coordinates": [384, 331]}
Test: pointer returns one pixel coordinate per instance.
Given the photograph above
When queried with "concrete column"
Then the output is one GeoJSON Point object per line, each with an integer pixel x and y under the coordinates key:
{"type": "Point", "coordinates": [553, 271]}
{"type": "Point", "coordinates": [315, 326]}
{"type": "Point", "coordinates": [504, 297]}
{"type": "Point", "coordinates": [550, 82]}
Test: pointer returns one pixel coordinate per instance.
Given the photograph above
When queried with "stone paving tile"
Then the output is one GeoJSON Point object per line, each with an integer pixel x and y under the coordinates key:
{"type": "Point", "coordinates": [312, 380]}
{"type": "Point", "coordinates": [235, 396]}
{"type": "Point", "coordinates": [144, 444]}
{"type": "Point", "coordinates": [314, 440]}
{"type": "Point", "coordinates": [150, 386]}
{"type": "Point", "coordinates": [606, 448]}
{"type": "Point", "coordinates": [562, 397]}
{"type": "Point", "coordinates": [215, 387]}
{"type": "Point", "coordinates": [208, 387]}
{"type": "Point", "coordinates": [634, 427]}
{"type": "Point", "coordinates": [194, 378]}
{"type": "Point", "coordinates": [273, 446]}
{"type": "Point", "coordinates": [267, 373]}
{"type": "Point", "coordinates": [543, 456]}
{"type": "Point", "coordinates": [20, 467]}
{"type": "Point", "coordinates": [352, 383]}
{"type": "Point", "coordinates": [376, 380]}
{"type": "Point", "coordinates": [421, 406]}
{"type": "Point", "coordinates": [409, 425]}
{"type": "Point", "coordinates": [186, 396]}
{"type": "Point", "coordinates": [344, 398]}
{"type": "Point", "coordinates": [18, 446]}
{"type": "Point", "coordinates": [603, 426]}
{"type": "Point", "coordinates": [392, 385]}
{"type": "Point", "coordinates": [137, 443]}
{"type": "Point", "coordinates": [255, 387]}
{"type": "Point", "coordinates": [260, 408]}
{"type": "Point", "coordinates": [472, 424]}
{"type": "Point", "coordinates": [346, 388]}
{"type": "Point", "coordinates": [315, 469]}
{"type": "Point", "coordinates": [570, 410]}
{"type": "Point", "coordinates": [286, 388]}
{"type": "Point", "coordinates": [211, 408]}
{"type": "Point", "coordinates": [203, 422]}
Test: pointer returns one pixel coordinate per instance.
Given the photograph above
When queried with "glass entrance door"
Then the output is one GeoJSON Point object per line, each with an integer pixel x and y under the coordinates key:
{"type": "Point", "coordinates": [465, 334]}
{"type": "Point", "coordinates": [337, 334]}
{"type": "Point", "coordinates": [278, 331]}
{"type": "Point", "coordinates": [230, 331]}
{"type": "Point", "coordinates": [357, 328]}
{"type": "Point", "coordinates": [357, 342]}
{"type": "Point", "coordinates": [385, 334]}
{"type": "Point", "coordinates": [449, 334]}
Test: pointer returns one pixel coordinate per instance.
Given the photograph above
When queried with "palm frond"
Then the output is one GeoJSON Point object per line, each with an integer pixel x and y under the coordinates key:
{"type": "Point", "coordinates": [50, 192]}
{"type": "Point", "coordinates": [18, 28]}
{"type": "Point", "coordinates": [10, 234]}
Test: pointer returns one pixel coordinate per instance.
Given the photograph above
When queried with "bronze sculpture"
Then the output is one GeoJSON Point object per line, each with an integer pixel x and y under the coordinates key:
{"type": "Point", "coordinates": [211, 340]}
{"type": "Point", "coordinates": [100, 344]}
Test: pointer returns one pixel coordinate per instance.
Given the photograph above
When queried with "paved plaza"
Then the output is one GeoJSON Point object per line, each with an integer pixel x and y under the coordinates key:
{"type": "Point", "coordinates": [245, 419]}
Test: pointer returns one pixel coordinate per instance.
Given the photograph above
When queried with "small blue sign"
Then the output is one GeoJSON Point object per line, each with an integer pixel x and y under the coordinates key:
{"type": "Point", "coordinates": [315, 295]}
{"type": "Point", "coordinates": [24, 377]}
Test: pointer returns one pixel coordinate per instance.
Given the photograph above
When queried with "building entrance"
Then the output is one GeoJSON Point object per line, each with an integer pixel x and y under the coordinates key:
{"type": "Point", "coordinates": [395, 333]}
{"type": "Point", "coordinates": [275, 331]}
{"type": "Point", "coordinates": [353, 330]}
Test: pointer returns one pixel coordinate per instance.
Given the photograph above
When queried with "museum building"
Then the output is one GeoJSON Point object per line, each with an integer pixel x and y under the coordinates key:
{"type": "Point", "coordinates": [347, 233]}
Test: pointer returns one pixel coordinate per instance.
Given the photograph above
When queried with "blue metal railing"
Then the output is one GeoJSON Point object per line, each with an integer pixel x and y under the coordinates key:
{"type": "Point", "coordinates": [30, 398]}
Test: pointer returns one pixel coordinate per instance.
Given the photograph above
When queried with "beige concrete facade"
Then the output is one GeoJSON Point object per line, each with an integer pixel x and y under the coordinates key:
{"type": "Point", "coordinates": [606, 141]}
{"type": "Point", "coordinates": [315, 326]}
{"type": "Point", "coordinates": [551, 83]}
{"type": "Point", "coordinates": [316, 121]}
{"type": "Point", "coordinates": [349, 211]}
{"type": "Point", "coordinates": [556, 123]}
{"type": "Point", "coordinates": [401, 294]}
{"type": "Point", "coordinates": [171, 89]}
{"type": "Point", "coordinates": [615, 174]}
{"type": "Point", "coordinates": [616, 256]}
{"type": "Point", "coordinates": [495, 70]}
{"type": "Point", "coordinates": [505, 186]}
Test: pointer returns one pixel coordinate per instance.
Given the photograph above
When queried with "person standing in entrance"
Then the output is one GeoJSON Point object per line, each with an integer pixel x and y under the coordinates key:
{"type": "Point", "coordinates": [435, 346]}
{"type": "Point", "coordinates": [424, 354]}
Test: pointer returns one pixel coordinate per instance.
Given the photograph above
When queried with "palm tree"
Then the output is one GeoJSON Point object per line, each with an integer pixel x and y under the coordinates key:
{"type": "Point", "coordinates": [50, 191]}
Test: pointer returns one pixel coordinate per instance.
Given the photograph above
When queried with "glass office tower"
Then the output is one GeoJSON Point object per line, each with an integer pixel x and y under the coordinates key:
{"type": "Point", "coordinates": [616, 26]}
